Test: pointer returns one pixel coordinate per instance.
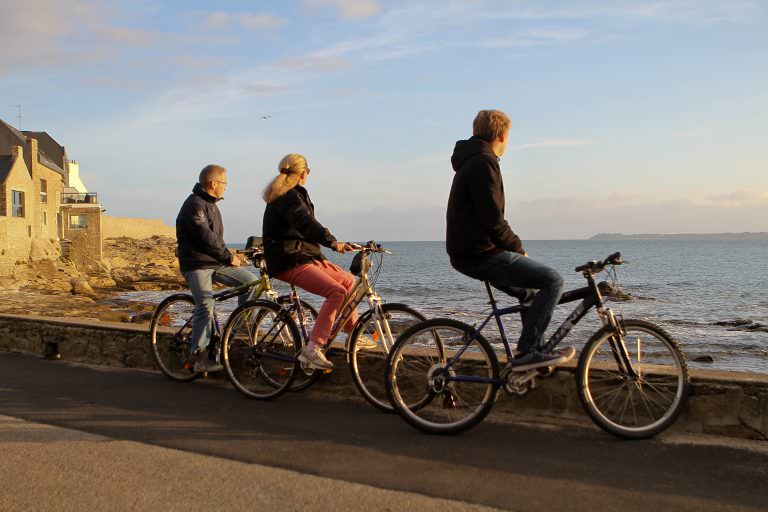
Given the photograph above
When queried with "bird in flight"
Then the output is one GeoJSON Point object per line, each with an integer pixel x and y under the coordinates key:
{"type": "Point", "coordinates": [265, 117]}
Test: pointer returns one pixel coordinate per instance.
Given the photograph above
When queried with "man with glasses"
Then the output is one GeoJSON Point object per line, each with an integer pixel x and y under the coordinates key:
{"type": "Point", "coordinates": [204, 258]}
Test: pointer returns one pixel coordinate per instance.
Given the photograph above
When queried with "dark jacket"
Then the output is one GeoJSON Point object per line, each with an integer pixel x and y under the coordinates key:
{"type": "Point", "coordinates": [292, 236]}
{"type": "Point", "coordinates": [475, 216]}
{"type": "Point", "coordinates": [200, 233]}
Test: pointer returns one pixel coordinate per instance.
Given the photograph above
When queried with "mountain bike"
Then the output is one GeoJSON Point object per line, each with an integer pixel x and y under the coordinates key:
{"type": "Point", "coordinates": [443, 376]}
{"type": "Point", "coordinates": [381, 324]}
{"type": "Point", "coordinates": [171, 326]}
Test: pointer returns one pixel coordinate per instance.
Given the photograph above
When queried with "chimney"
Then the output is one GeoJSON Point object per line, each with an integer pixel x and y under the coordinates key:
{"type": "Point", "coordinates": [31, 156]}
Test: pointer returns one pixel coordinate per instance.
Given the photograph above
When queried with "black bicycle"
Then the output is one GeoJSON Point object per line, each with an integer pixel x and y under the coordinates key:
{"type": "Point", "coordinates": [443, 376]}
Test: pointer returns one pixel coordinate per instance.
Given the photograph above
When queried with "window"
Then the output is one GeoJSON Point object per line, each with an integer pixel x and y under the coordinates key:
{"type": "Point", "coordinates": [43, 191]}
{"type": "Point", "coordinates": [78, 222]}
{"type": "Point", "coordinates": [44, 218]}
{"type": "Point", "coordinates": [17, 203]}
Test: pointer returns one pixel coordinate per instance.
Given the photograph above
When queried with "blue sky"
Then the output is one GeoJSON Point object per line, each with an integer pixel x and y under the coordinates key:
{"type": "Point", "coordinates": [627, 116]}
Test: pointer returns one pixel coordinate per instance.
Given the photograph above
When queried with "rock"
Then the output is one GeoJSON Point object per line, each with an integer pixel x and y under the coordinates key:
{"type": "Point", "coordinates": [80, 286]}
{"type": "Point", "coordinates": [9, 284]}
{"type": "Point", "coordinates": [101, 282]}
{"type": "Point", "coordinates": [44, 249]}
{"type": "Point", "coordinates": [706, 358]}
{"type": "Point", "coordinates": [142, 318]}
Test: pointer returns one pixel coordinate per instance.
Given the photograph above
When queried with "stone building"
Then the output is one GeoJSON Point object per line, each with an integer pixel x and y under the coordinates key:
{"type": "Point", "coordinates": [43, 199]}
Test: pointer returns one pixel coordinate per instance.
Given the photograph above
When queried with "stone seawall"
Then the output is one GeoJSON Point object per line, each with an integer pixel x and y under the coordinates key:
{"type": "Point", "coordinates": [117, 227]}
{"type": "Point", "coordinates": [721, 403]}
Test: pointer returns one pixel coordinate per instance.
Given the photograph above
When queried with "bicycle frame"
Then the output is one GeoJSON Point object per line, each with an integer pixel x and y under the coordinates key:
{"type": "Point", "coordinates": [362, 289]}
{"type": "Point", "coordinates": [591, 297]}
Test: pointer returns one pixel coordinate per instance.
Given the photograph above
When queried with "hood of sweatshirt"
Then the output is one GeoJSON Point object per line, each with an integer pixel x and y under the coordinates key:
{"type": "Point", "coordinates": [466, 149]}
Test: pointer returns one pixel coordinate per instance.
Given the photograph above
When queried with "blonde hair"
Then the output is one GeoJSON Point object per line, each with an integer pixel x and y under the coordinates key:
{"type": "Point", "coordinates": [290, 169]}
{"type": "Point", "coordinates": [490, 125]}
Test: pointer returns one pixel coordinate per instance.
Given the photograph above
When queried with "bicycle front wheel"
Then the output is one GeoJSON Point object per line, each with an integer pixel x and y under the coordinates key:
{"type": "Point", "coordinates": [259, 349]}
{"type": "Point", "coordinates": [442, 376]}
{"type": "Point", "coordinates": [633, 386]}
{"type": "Point", "coordinates": [371, 340]}
{"type": "Point", "coordinates": [170, 334]}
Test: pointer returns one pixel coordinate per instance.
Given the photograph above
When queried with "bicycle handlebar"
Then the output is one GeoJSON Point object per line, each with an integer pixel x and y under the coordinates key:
{"type": "Point", "coordinates": [372, 246]}
{"type": "Point", "coordinates": [597, 266]}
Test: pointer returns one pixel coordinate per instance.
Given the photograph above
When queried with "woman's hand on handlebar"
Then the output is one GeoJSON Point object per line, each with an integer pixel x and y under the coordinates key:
{"type": "Point", "coordinates": [344, 247]}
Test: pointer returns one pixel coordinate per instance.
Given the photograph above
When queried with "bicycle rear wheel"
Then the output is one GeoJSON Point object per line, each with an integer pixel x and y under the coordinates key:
{"type": "Point", "coordinates": [638, 397]}
{"type": "Point", "coordinates": [170, 333]}
{"type": "Point", "coordinates": [442, 377]}
{"type": "Point", "coordinates": [259, 349]}
{"type": "Point", "coordinates": [368, 364]}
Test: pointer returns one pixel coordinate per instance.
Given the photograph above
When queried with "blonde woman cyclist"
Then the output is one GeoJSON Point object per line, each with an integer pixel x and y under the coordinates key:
{"type": "Point", "coordinates": [292, 239]}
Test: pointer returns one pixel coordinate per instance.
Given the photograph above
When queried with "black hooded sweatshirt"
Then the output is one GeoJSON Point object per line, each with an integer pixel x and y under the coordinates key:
{"type": "Point", "coordinates": [292, 235]}
{"type": "Point", "coordinates": [475, 218]}
{"type": "Point", "coordinates": [200, 233]}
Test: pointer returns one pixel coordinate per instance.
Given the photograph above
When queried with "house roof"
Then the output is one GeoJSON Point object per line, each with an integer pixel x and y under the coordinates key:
{"type": "Point", "coordinates": [6, 162]}
{"type": "Point", "coordinates": [47, 146]}
{"type": "Point", "coordinates": [49, 152]}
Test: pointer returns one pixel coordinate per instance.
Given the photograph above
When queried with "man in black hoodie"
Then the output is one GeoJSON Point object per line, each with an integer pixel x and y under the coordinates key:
{"type": "Point", "coordinates": [481, 244]}
{"type": "Point", "coordinates": [204, 258]}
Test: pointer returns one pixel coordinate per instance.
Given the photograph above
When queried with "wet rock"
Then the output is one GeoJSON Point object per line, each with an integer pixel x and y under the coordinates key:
{"type": "Point", "coordinates": [706, 358]}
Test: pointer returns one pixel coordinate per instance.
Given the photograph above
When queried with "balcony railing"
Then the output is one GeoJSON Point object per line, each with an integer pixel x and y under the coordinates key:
{"type": "Point", "coordinates": [87, 198]}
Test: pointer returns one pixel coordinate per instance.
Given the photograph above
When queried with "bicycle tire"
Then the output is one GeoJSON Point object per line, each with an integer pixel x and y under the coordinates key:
{"type": "Point", "coordinates": [170, 350]}
{"type": "Point", "coordinates": [260, 358]}
{"type": "Point", "coordinates": [369, 365]}
{"type": "Point", "coordinates": [417, 385]}
{"type": "Point", "coordinates": [662, 383]}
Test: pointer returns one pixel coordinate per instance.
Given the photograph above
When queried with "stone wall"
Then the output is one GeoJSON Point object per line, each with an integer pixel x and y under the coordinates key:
{"type": "Point", "coordinates": [721, 403]}
{"type": "Point", "coordinates": [81, 225]}
{"type": "Point", "coordinates": [116, 227]}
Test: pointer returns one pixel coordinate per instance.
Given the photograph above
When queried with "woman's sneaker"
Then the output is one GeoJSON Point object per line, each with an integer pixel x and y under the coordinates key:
{"type": "Point", "coordinates": [365, 343]}
{"type": "Point", "coordinates": [315, 357]}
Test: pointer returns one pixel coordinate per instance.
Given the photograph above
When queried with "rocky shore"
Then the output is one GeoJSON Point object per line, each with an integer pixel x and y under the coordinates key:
{"type": "Point", "coordinates": [47, 285]}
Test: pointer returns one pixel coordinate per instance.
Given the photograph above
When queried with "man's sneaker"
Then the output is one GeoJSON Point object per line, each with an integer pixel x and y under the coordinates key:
{"type": "Point", "coordinates": [365, 343]}
{"type": "Point", "coordinates": [315, 357]}
{"type": "Point", "coordinates": [531, 360]}
{"type": "Point", "coordinates": [204, 364]}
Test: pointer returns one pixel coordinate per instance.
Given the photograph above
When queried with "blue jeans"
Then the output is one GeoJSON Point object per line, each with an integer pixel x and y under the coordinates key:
{"type": "Point", "coordinates": [535, 285]}
{"type": "Point", "coordinates": [200, 283]}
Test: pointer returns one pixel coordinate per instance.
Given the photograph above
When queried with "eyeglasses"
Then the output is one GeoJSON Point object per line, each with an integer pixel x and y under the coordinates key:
{"type": "Point", "coordinates": [222, 182]}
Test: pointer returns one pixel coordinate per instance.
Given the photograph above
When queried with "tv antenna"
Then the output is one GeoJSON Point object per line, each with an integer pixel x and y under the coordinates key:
{"type": "Point", "coordinates": [19, 115]}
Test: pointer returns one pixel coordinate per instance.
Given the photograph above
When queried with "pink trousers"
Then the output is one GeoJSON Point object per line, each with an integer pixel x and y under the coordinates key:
{"type": "Point", "coordinates": [327, 280]}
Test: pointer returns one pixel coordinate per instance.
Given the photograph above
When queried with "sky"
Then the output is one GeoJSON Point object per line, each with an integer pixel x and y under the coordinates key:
{"type": "Point", "coordinates": [627, 117]}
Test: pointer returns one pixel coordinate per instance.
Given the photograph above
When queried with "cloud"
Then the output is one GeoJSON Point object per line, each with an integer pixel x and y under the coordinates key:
{"type": "Point", "coordinates": [738, 198]}
{"type": "Point", "coordinates": [249, 21]}
{"type": "Point", "coordinates": [260, 88]}
{"type": "Point", "coordinates": [350, 9]}
{"type": "Point", "coordinates": [114, 83]}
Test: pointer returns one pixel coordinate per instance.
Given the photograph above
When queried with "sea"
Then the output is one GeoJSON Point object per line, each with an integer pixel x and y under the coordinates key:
{"type": "Point", "coordinates": [711, 295]}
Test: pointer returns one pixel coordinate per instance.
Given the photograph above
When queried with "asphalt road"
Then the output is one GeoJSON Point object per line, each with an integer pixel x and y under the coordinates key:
{"type": "Point", "coordinates": [335, 445]}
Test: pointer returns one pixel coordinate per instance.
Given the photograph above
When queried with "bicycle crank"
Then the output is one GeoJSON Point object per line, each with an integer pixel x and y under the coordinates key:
{"type": "Point", "coordinates": [520, 384]}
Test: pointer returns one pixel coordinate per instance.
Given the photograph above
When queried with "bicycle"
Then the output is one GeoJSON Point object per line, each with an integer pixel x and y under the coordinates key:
{"type": "Point", "coordinates": [443, 376]}
{"type": "Point", "coordinates": [171, 326]}
{"type": "Point", "coordinates": [380, 323]}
